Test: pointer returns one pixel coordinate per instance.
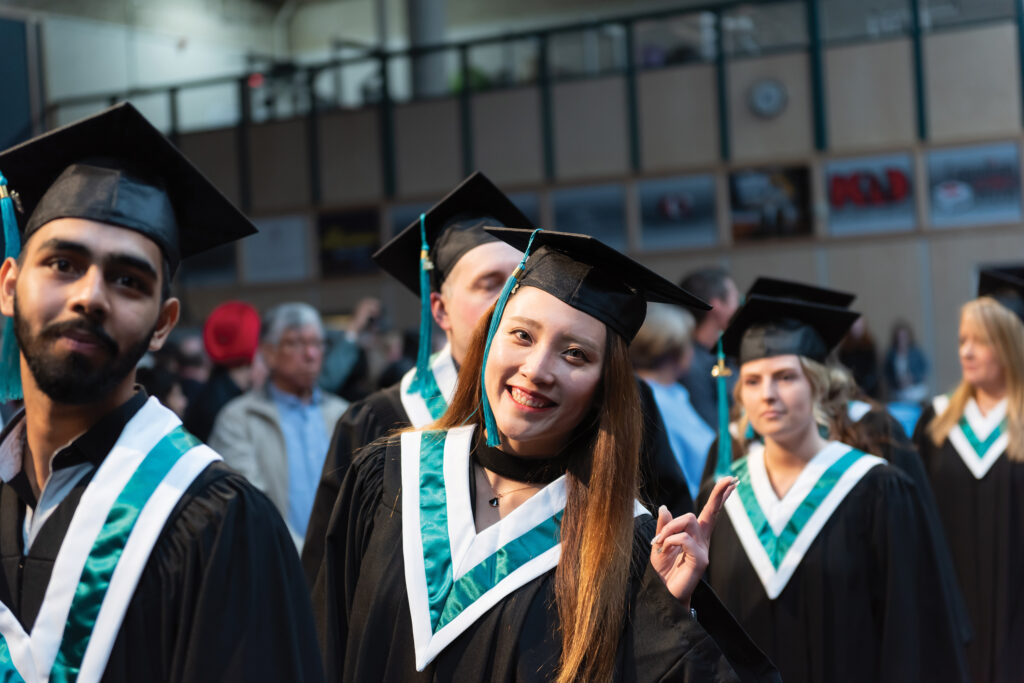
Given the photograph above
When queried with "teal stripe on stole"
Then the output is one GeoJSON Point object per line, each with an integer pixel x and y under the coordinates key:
{"type": "Point", "coordinates": [777, 546]}
{"type": "Point", "coordinates": [430, 392]}
{"type": "Point", "coordinates": [507, 559]}
{"type": "Point", "coordinates": [437, 548]}
{"type": "Point", "coordinates": [8, 674]}
{"type": "Point", "coordinates": [981, 447]}
{"type": "Point", "coordinates": [110, 543]}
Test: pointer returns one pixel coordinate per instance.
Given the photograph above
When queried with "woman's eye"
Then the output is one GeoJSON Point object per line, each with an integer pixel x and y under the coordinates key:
{"type": "Point", "coordinates": [521, 335]}
{"type": "Point", "coordinates": [576, 353]}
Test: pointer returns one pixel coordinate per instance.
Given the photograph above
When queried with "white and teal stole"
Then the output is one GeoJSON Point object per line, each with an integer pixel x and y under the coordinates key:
{"type": "Point", "coordinates": [454, 575]}
{"type": "Point", "coordinates": [424, 409]}
{"type": "Point", "coordinates": [776, 534]}
{"type": "Point", "coordinates": [978, 439]}
{"type": "Point", "coordinates": [113, 531]}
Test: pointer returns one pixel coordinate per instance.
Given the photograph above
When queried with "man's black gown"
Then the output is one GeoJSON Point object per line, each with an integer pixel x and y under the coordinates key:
{"type": "Point", "coordinates": [381, 413]}
{"type": "Point", "coordinates": [365, 631]}
{"type": "Point", "coordinates": [984, 524]}
{"type": "Point", "coordinates": [221, 598]}
{"type": "Point", "coordinates": [866, 602]}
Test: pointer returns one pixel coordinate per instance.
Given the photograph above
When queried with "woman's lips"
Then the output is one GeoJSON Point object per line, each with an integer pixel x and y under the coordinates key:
{"type": "Point", "coordinates": [529, 399]}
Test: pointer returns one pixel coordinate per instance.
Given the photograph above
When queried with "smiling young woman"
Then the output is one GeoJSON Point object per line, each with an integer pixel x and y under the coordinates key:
{"type": "Point", "coordinates": [522, 546]}
{"type": "Point", "coordinates": [823, 545]}
{"type": "Point", "coordinates": [971, 442]}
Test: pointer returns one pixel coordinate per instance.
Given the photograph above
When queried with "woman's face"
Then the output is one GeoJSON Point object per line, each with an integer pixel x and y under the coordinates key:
{"type": "Point", "coordinates": [978, 359]}
{"type": "Point", "coordinates": [776, 396]}
{"type": "Point", "coordinates": [544, 366]}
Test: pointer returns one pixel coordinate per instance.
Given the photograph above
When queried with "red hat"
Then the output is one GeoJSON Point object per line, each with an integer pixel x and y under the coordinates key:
{"type": "Point", "coordinates": [232, 333]}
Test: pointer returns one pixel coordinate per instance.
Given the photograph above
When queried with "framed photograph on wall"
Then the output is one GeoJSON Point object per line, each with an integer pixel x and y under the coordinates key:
{"type": "Point", "coordinates": [678, 212]}
{"type": "Point", "coordinates": [975, 185]}
{"type": "Point", "coordinates": [868, 195]}
{"type": "Point", "coordinates": [770, 202]}
{"type": "Point", "coordinates": [279, 252]}
{"type": "Point", "coordinates": [346, 241]}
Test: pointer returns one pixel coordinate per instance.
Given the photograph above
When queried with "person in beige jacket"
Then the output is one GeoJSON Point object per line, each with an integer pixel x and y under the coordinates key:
{"type": "Point", "coordinates": [277, 435]}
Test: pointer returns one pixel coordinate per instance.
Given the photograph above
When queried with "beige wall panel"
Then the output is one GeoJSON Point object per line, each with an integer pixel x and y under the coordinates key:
{"type": "Point", "coordinates": [796, 262]}
{"type": "Point", "coordinates": [507, 140]}
{"type": "Point", "coordinates": [279, 175]}
{"type": "Point", "coordinates": [428, 151]}
{"type": "Point", "coordinates": [972, 82]}
{"type": "Point", "coordinates": [674, 266]}
{"type": "Point", "coordinates": [215, 153]}
{"type": "Point", "coordinates": [954, 262]}
{"type": "Point", "coordinates": [350, 158]}
{"type": "Point", "coordinates": [886, 277]}
{"type": "Point", "coordinates": [870, 95]}
{"type": "Point", "coordinates": [590, 128]}
{"type": "Point", "coordinates": [791, 133]}
{"type": "Point", "coordinates": [678, 116]}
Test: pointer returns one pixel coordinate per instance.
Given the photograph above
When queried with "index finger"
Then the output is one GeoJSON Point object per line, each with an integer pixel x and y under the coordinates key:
{"type": "Point", "coordinates": [709, 515]}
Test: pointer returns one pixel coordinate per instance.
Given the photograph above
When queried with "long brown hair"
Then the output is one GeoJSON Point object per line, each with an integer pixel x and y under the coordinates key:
{"type": "Point", "coordinates": [1005, 333]}
{"type": "Point", "coordinates": [597, 525]}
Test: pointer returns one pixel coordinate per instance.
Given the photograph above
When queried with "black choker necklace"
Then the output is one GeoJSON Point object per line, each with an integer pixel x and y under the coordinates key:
{"type": "Point", "coordinates": [527, 470]}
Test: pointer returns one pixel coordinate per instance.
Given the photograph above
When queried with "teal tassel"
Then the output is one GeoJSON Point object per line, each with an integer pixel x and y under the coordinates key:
{"type": "Point", "coordinates": [421, 382]}
{"type": "Point", "coordinates": [10, 357]}
{"type": "Point", "coordinates": [723, 466]}
{"type": "Point", "coordinates": [499, 308]}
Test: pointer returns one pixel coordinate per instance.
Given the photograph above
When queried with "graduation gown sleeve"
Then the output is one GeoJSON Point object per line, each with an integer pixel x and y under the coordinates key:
{"type": "Point", "coordinates": [365, 421]}
{"type": "Point", "coordinates": [222, 597]}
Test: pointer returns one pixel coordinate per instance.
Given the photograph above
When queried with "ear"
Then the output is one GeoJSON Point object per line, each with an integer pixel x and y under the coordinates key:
{"type": "Point", "coordinates": [8, 279]}
{"type": "Point", "coordinates": [169, 313]}
{"type": "Point", "coordinates": [439, 311]}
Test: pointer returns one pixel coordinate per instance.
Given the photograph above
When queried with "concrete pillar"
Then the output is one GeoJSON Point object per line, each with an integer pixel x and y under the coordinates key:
{"type": "Point", "coordinates": [427, 23]}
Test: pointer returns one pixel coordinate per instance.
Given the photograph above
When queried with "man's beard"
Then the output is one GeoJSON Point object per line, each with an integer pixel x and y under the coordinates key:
{"type": "Point", "coordinates": [75, 379]}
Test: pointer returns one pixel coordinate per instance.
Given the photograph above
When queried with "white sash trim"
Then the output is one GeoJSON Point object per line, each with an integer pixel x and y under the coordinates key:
{"type": "Point", "coordinates": [778, 512]}
{"type": "Point", "coordinates": [468, 548]}
{"type": "Point", "coordinates": [446, 376]}
{"type": "Point", "coordinates": [979, 464]}
{"type": "Point", "coordinates": [34, 655]}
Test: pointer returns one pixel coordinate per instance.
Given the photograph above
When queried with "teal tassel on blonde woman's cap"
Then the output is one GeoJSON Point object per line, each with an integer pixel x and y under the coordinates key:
{"type": "Point", "coordinates": [499, 308]}
{"type": "Point", "coordinates": [723, 466]}
{"type": "Point", "coordinates": [421, 382]}
{"type": "Point", "coordinates": [10, 370]}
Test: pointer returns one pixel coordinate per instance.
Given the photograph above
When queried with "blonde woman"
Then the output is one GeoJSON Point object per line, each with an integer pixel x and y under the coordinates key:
{"type": "Point", "coordinates": [825, 555]}
{"type": "Point", "coordinates": [972, 444]}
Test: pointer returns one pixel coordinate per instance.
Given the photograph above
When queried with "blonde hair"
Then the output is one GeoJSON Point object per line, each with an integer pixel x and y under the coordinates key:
{"type": "Point", "coordinates": [832, 388]}
{"type": "Point", "coordinates": [666, 334]}
{"type": "Point", "coordinates": [1005, 333]}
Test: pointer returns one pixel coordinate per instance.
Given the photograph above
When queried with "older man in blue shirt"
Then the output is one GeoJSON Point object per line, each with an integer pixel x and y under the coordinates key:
{"type": "Point", "coordinates": [278, 435]}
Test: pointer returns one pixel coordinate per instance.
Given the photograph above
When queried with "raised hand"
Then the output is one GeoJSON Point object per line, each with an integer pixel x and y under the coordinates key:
{"type": "Point", "coordinates": [679, 549]}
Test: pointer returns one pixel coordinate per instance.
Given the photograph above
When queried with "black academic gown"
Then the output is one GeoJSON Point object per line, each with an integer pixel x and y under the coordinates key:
{"type": "Point", "coordinates": [364, 622]}
{"type": "Point", "coordinates": [221, 598]}
{"type": "Point", "coordinates": [381, 413]}
{"type": "Point", "coordinates": [984, 524]}
{"type": "Point", "coordinates": [866, 602]}
{"type": "Point", "coordinates": [900, 452]}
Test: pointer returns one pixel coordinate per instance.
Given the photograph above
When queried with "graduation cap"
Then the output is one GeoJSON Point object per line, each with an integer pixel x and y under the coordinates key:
{"type": "Point", "coordinates": [773, 326]}
{"type": "Point", "coordinates": [114, 168]}
{"type": "Point", "coordinates": [588, 275]}
{"type": "Point", "coordinates": [1005, 284]}
{"type": "Point", "coordinates": [426, 251]}
{"type": "Point", "coordinates": [788, 289]}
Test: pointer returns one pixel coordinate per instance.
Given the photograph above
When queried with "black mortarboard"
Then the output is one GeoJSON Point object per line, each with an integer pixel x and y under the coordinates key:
{"type": "Point", "coordinates": [769, 326]}
{"type": "Point", "coordinates": [594, 278]}
{"type": "Point", "coordinates": [1005, 284]}
{"type": "Point", "coordinates": [788, 289]}
{"type": "Point", "coordinates": [453, 226]}
{"type": "Point", "coordinates": [116, 168]}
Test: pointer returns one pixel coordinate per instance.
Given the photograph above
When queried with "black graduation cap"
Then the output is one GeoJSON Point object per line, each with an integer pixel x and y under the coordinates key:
{"type": "Point", "coordinates": [453, 226]}
{"type": "Point", "coordinates": [594, 278]}
{"type": "Point", "coordinates": [771, 326]}
{"type": "Point", "coordinates": [788, 289]}
{"type": "Point", "coordinates": [1005, 284]}
{"type": "Point", "coordinates": [116, 168]}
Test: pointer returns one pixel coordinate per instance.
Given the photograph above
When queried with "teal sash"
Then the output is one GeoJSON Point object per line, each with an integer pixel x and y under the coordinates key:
{"type": "Point", "coordinates": [980, 447]}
